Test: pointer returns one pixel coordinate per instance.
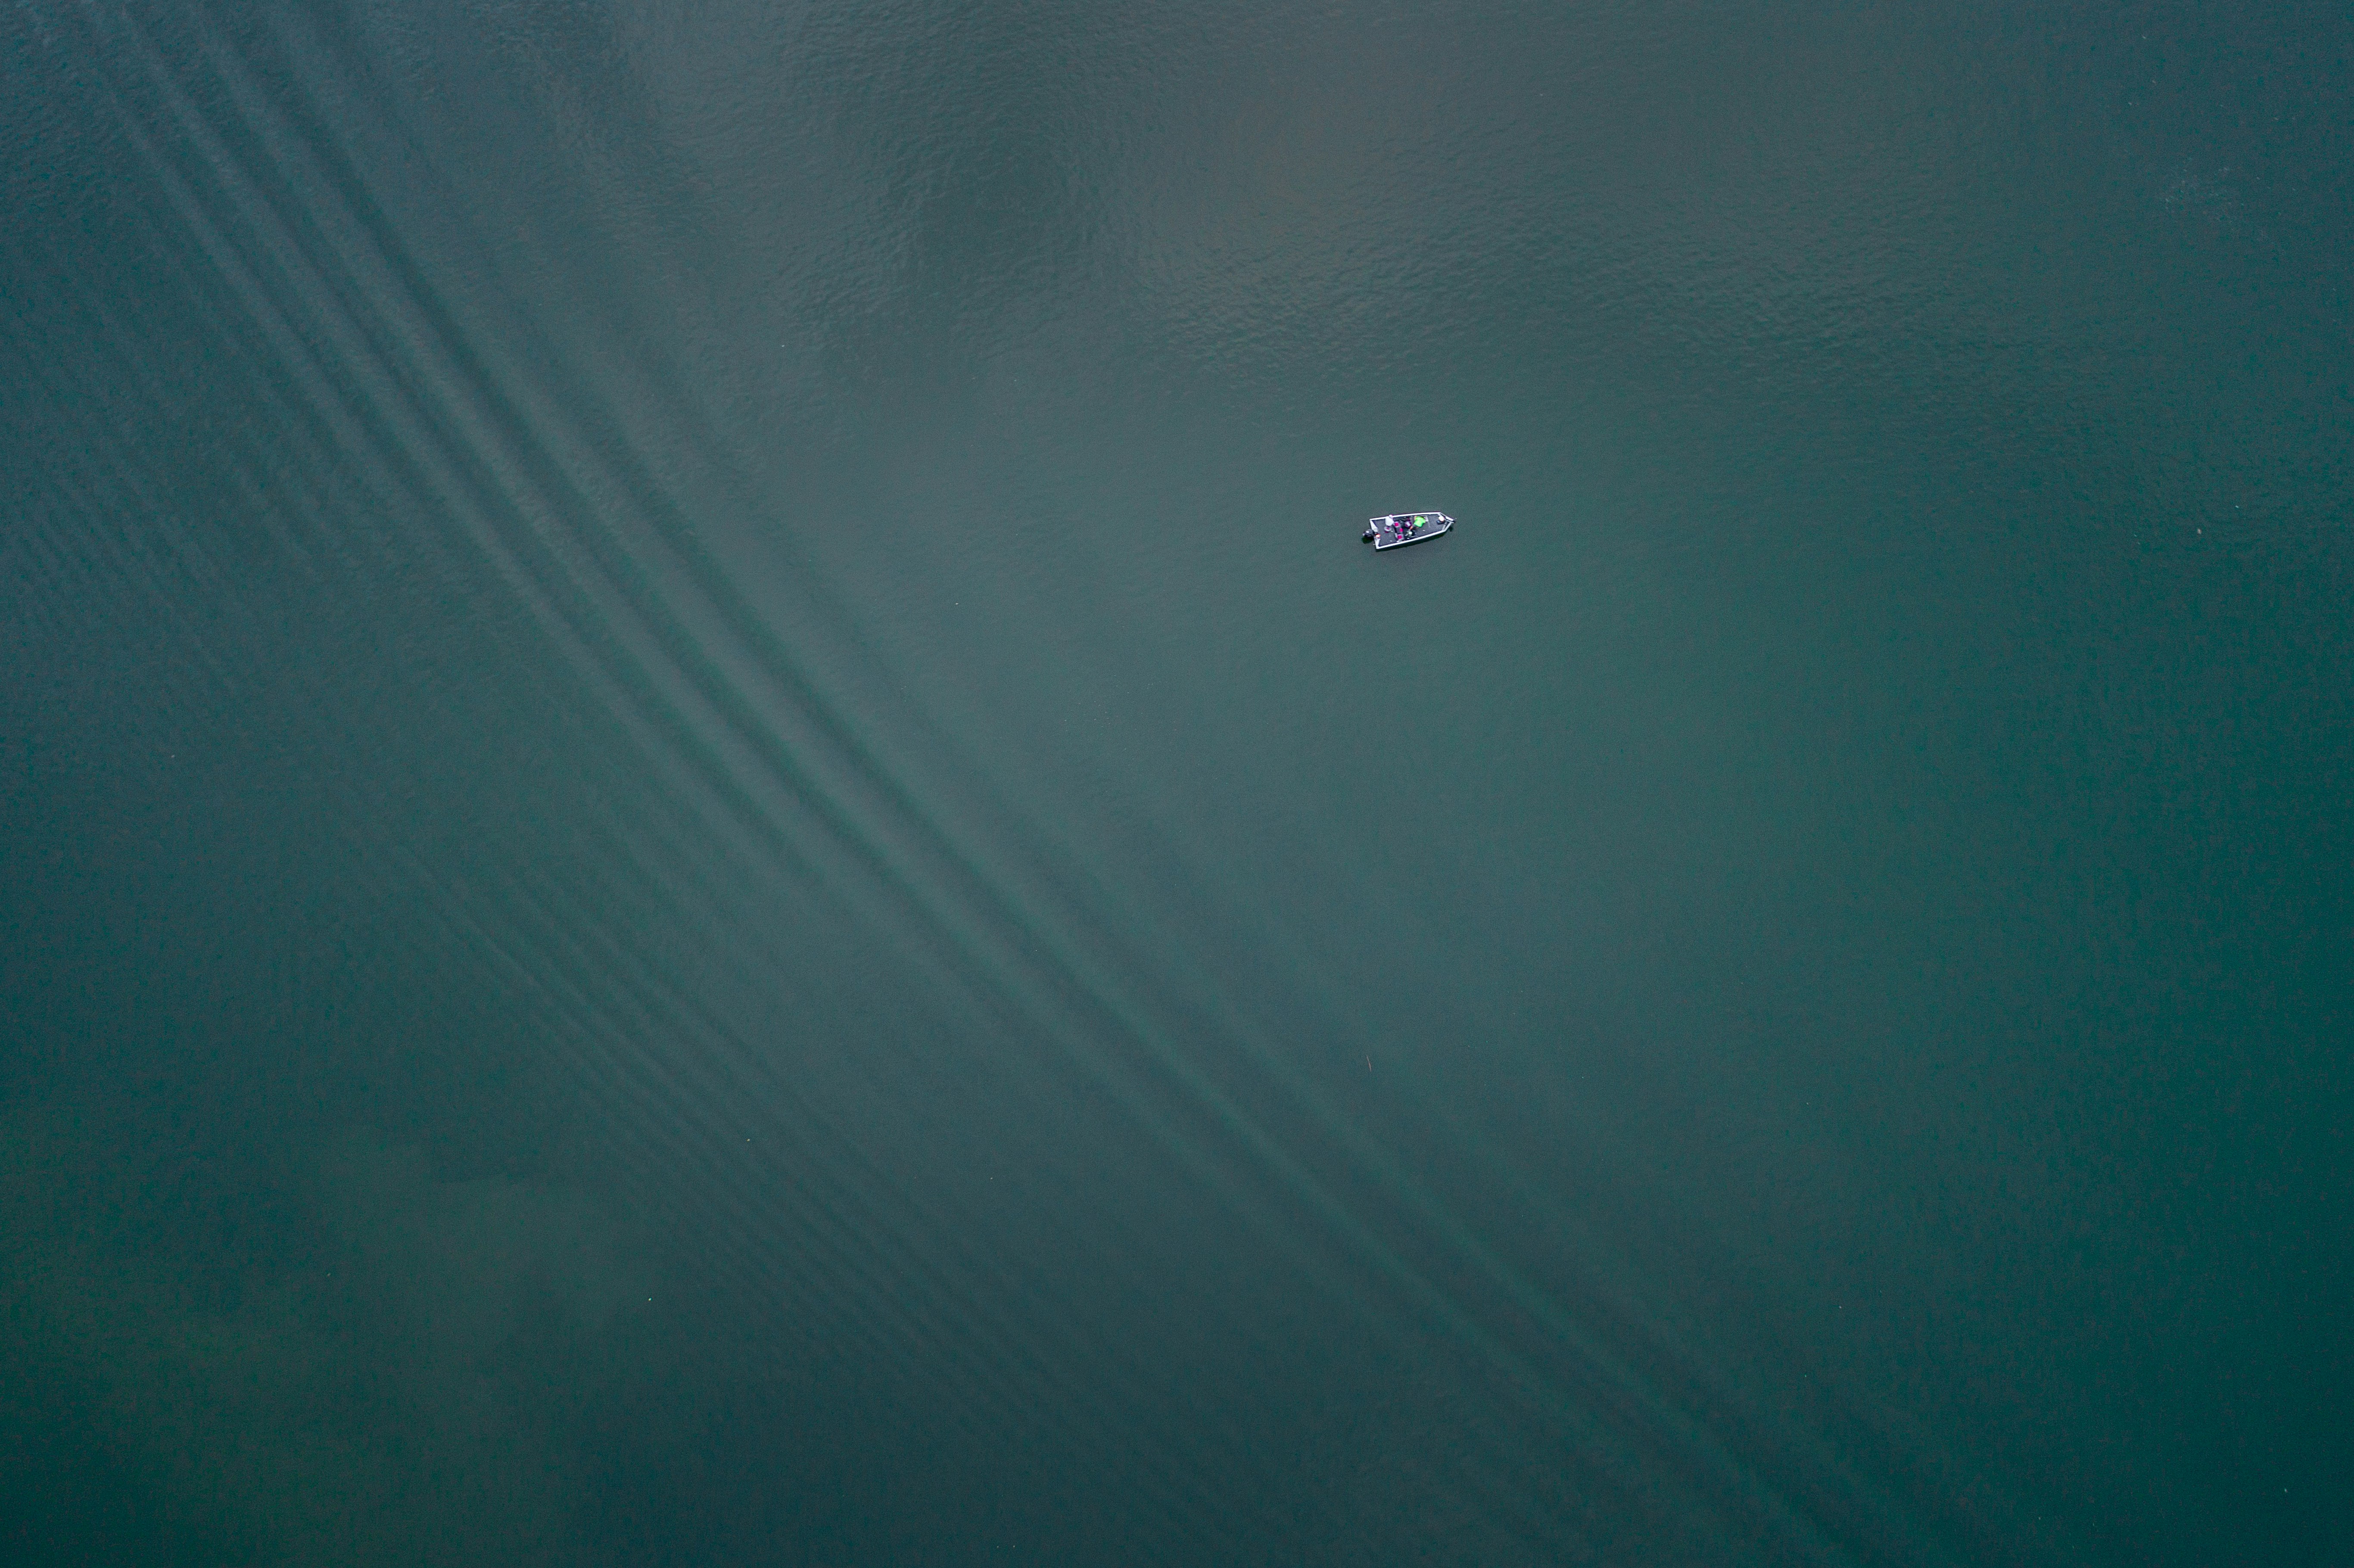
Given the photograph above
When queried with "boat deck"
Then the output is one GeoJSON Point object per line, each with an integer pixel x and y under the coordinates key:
{"type": "Point", "coordinates": [1405, 528]}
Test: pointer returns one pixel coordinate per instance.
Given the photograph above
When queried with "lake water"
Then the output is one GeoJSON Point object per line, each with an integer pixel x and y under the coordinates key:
{"type": "Point", "coordinates": [715, 849]}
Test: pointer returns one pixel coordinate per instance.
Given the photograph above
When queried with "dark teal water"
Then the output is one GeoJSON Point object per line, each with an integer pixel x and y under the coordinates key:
{"type": "Point", "coordinates": [714, 850]}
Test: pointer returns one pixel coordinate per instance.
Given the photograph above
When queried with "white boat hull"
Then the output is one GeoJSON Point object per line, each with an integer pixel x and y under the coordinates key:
{"type": "Point", "coordinates": [1402, 528]}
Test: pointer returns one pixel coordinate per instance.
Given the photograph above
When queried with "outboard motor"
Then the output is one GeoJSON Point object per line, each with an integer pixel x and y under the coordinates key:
{"type": "Point", "coordinates": [1369, 536]}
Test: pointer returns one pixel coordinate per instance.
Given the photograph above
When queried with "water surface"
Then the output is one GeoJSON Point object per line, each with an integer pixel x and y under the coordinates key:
{"type": "Point", "coordinates": [716, 848]}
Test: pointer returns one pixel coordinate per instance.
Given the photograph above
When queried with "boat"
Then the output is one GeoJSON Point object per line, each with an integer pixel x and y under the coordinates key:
{"type": "Point", "coordinates": [1405, 528]}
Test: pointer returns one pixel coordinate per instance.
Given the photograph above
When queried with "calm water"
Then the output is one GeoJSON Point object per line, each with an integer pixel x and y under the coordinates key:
{"type": "Point", "coordinates": [713, 849]}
